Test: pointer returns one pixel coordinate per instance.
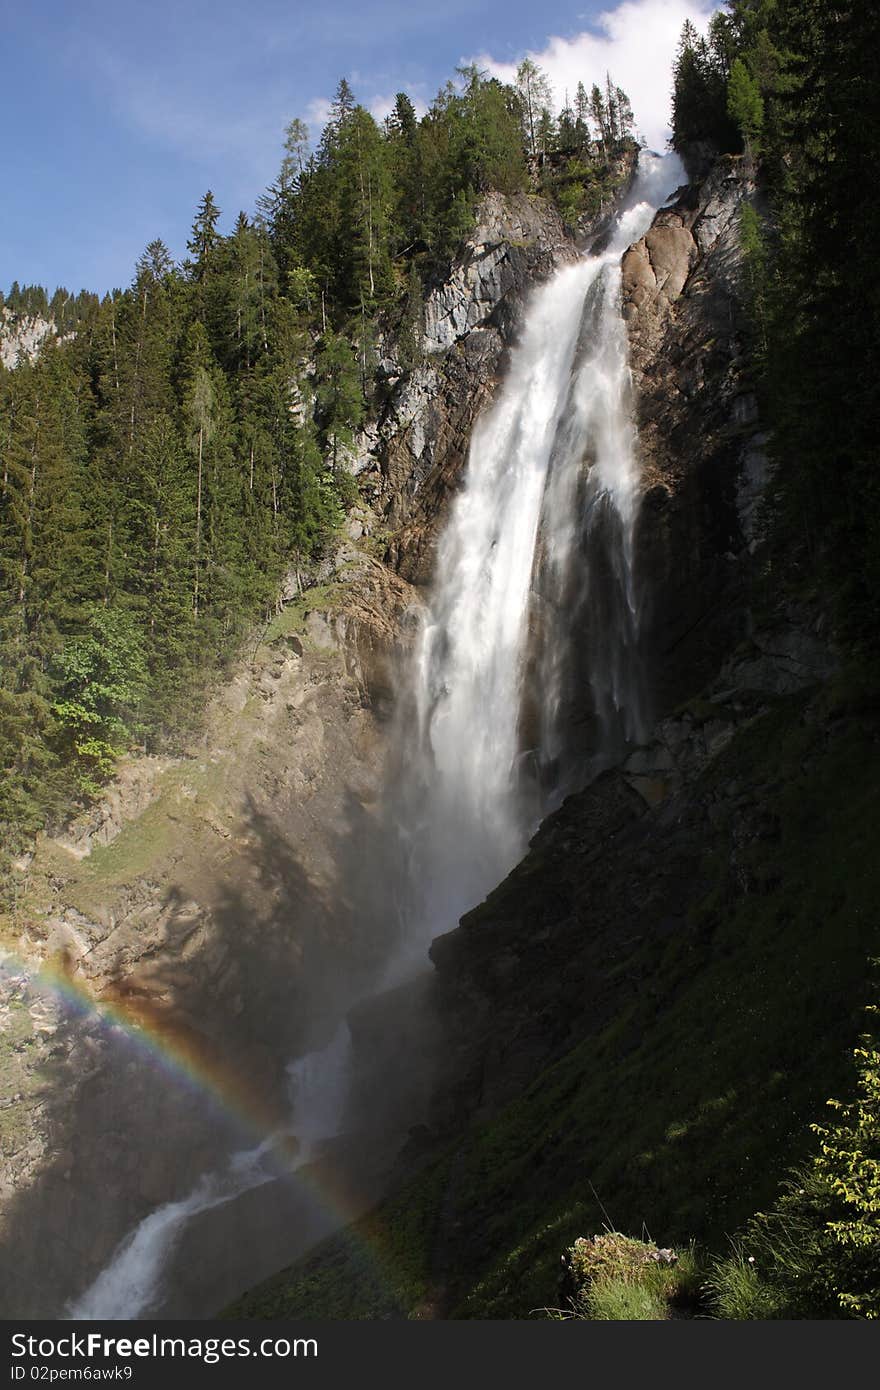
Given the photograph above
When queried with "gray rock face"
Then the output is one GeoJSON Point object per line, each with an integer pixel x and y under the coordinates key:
{"type": "Point", "coordinates": [792, 654]}
{"type": "Point", "coordinates": [516, 239]}
{"type": "Point", "coordinates": [134, 788]}
{"type": "Point", "coordinates": [691, 250]}
{"type": "Point", "coordinates": [22, 336]}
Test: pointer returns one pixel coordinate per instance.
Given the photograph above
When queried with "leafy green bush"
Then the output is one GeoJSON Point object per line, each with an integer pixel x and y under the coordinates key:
{"type": "Point", "coordinates": [102, 676]}
{"type": "Point", "coordinates": [816, 1252]}
{"type": "Point", "coordinates": [849, 1164]}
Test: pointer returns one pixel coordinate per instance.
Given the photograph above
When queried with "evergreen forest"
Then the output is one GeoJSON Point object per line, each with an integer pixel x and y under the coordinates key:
{"type": "Point", "coordinates": [178, 447]}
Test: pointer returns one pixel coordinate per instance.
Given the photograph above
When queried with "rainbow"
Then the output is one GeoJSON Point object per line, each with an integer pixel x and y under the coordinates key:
{"type": "Point", "coordinates": [188, 1061]}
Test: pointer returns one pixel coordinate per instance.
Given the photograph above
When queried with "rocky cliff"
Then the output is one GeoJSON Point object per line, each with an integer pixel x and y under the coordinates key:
{"type": "Point", "coordinates": [22, 336]}
{"type": "Point", "coordinates": [624, 1023]}
{"type": "Point", "coordinates": [193, 925]}
{"type": "Point", "coordinates": [625, 855]}
{"type": "Point", "coordinates": [702, 447]}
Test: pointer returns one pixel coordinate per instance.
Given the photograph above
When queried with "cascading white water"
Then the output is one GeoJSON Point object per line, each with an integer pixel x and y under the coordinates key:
{"type": "Point", "coordinates": [554, 453]}
{"type": "Point", "coordinates": [131, 1284]}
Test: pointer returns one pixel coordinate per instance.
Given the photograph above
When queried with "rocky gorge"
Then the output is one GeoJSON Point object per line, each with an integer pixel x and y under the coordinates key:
{"type": "Point", "coordinates": [623, 1022]}
{"type": "Point", "coordinates": [201, 888]}
{"type": "Point", "coordinates": [601, 1024]}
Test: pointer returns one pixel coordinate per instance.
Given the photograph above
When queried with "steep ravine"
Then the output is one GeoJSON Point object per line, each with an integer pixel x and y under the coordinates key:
{"type": "Point", "coordinates": [628, 1012]}
{"type": "Point", "coordinates": [217, 906]}
{"type": "Point", "coordinates": [643, 1019]}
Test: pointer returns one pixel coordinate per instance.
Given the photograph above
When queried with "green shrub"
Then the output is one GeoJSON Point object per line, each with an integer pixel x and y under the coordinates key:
{"type": "Point", "coordinates": [816, 1252]}
{"type": "Point", "coordinates": [849, 1162]}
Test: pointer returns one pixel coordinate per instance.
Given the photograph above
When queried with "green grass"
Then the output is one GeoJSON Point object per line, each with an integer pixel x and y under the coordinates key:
{"type": "Point", "coordinates": [174, 815]}
{"type": "Point", "coordinates": [325, 598]}
{"type": "Point", "coordinates": [737, 1291]}
{"type": "Point", "coordinates": [618, 1301]}
{"type": "Point", "coordinates": [613, 1278]}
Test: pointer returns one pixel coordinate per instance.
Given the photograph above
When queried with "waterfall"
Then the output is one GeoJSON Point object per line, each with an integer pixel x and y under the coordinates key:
{"type": "Point", "coordinates": [534, 601]}
{"type": "Point", "coordinates": [539, 541]}
{"type": "Point", "coordinates": [131, 1285]}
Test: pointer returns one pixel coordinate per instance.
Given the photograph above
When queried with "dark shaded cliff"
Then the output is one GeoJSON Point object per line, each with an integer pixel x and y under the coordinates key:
{"type": "Point", "coordinates": [701, 442]}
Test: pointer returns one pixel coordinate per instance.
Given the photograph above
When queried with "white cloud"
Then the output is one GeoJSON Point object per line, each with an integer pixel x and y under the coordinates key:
{"type": "Point", "coordinates": [317, 114]}
{"type": "Point", "coordinates": [381, 106]}
{"type": "Point", "coordinates": [635, 42]}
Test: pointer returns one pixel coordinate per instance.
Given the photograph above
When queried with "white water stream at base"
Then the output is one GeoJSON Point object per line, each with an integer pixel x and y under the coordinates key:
{"type": "Point", "coordinates": [130, 1286]}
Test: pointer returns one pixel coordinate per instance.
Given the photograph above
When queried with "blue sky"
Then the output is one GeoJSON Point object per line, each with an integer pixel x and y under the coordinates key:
{"type": "Point", "coordinates": [121, 113]}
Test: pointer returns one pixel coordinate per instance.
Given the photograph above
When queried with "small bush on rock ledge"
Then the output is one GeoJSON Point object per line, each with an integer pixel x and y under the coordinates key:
{"type": "Point", "coordinates": [612, 1277]}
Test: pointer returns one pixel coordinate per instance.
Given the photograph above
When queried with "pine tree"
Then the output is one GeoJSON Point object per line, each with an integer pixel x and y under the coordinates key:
{"type": "Point", "coordinates": [156, 260]}
{"type": "Point", "coordinates": [296, 144]}
{"type": "Point", "coordinates": [161, 529]}
{"type": "Point", "coordinates": [339, 399]}
{"type": "Point", "coordinates": [342, 106]}
{"type": "Point", "coordinates": [249, 281]}
{"type": "Point", "coordinates": [402, 122]}
{"type": "Point", "coordinates": [205, 237]}
{"type": "Point", "coordinates": [625, 117]}
{"type": "Point", "coordinates": [547, 134]}
{"type": "Point", "coordinates": [568, 133]}
{"type": "Point", "coordinates": [205, 417]}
